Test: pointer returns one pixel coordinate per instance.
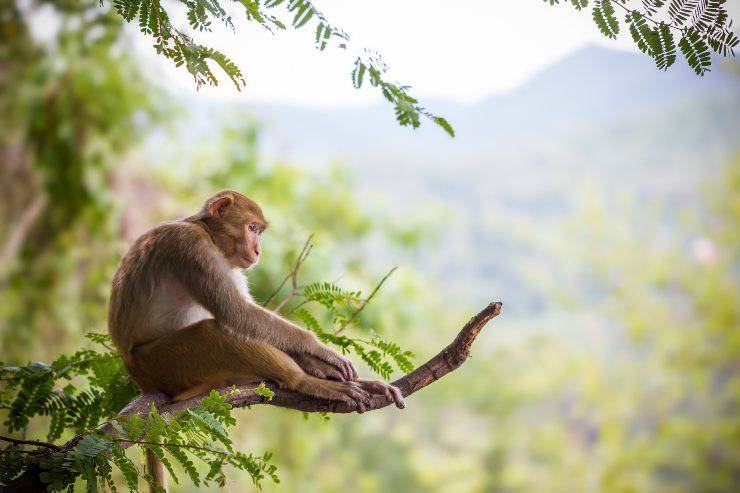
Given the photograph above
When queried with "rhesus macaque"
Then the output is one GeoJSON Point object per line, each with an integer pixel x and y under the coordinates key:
{"type": "Point", "coordinates": [184, 322]}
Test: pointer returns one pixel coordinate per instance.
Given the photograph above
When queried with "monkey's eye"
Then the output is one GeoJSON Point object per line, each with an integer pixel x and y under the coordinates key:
{"type": "Point", "coordinates": [253, 228]}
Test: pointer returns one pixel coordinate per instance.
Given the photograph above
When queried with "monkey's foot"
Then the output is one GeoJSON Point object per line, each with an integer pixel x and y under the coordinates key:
{"type": "Point", "coordinates": [376, 387]}
{"type": "Point", "coordinates": [351, 393]}
{"type": "Point", "coordinates": [354, 394]}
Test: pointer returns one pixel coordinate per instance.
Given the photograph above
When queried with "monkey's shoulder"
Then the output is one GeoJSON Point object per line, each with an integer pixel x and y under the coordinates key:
{"type": "Point", "coordinates": [171, 236]}
{"type": "Point", "coordinates": [158, 247]}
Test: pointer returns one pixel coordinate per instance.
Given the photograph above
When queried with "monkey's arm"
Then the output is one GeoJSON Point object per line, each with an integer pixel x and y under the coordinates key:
{"type": "Point", "coordinates": [203, 272]}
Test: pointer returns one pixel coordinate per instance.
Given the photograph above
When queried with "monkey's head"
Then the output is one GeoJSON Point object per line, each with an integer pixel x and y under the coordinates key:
{"type": "Point", "coordinates": [235, 224]}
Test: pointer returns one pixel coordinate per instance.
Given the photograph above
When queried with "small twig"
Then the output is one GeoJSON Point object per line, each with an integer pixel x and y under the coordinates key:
{"type": "Point", "coordinates": [35, 443]}
{"type": "Point", "coordinates": [179, 445]}
{"type": "Point", "coordinates": [20, 231]}
{"type": "Point", "coordinates": [292, 275]}
{"type": "Point", "coordinates": [298, 306]}
{"type": "Point", "coordinates": [365, 302]}
{"type": "Point", "coordinates": [109, 348]}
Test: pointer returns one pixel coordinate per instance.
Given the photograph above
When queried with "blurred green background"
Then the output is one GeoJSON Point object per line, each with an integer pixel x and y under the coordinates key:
{"type": "Point", "coordinates": [602, 209]}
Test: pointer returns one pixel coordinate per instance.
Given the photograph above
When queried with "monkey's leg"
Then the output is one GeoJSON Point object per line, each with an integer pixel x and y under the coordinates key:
{"type": "Point", "coordinates": [200, 357]}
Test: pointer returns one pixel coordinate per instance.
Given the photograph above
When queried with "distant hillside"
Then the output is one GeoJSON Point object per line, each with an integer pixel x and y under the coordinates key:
{"type": "Point", "coordinates": [591, 87]}
{"type": "Point", "coordinates": [597, 121]}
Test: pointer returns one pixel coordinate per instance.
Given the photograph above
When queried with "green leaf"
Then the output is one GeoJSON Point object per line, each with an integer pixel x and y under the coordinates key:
{"type": "Point", "coordinates": [722, 41]}
{"type": "Point", "coordinates": [181, 457]}
{"type": "Point", "coordinates": [652, 6]}
{"type": "Point", "coordinates": [667, 54]}
{"type": "Point", "coordinates": [680, 10]}
{"type": "Point", "coordinates": [92, 445]}
{"type": "Point", "coordinates": [128, 469]}
{"type": "Point", "coordinates": [603, 15]}
{"type": "Point", "coordinates": [442, 122]}
{"type": "Point", "coordinates": [264, 391]}
{"type": "Point", "coordinates": [644, 37]}
{"type": "Point", "coordinates": [696, 52]}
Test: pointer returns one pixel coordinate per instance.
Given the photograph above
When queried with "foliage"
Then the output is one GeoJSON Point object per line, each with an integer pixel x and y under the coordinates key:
{"type": "Point", "coordinates": [376, 352]}
{"type": "Point", "coordinates": [197, 433]}
{"type": "Point", "coordinates": [33, 390]}
{"type": "Point", "coordinates": [60, 146]}
{"type": "Point", "coordinates": [699, 25]}
{"type": "Point", "coordinates": [636, 387]}
{"type": "Point", "coordinates": [29, 391]}
{"type": "Point", "coordinates": [342, 308]}
{"type": "Point", "coordinates": [154, 19]}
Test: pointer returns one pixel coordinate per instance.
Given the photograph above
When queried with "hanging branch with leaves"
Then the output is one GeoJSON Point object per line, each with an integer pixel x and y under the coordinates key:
{"type": "Point", "coordinates": [274, 16]}
{"type": "Point", "coordinates": [700, 26]}
{"type": "Point", "coordinates": [660, 28]}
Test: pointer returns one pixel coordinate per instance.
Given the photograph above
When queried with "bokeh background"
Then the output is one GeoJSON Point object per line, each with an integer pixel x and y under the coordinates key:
{"type": "Point", "coordinates": [597, 197]}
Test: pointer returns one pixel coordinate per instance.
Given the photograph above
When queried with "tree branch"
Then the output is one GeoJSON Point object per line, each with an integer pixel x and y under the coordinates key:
{"type": "Point", "coordinates": [365, 302]}
{"type": "Point", "coordinates": [35, 443]}
{"type": "Point", "coordinates": [292, 275]}
{"type": "Point", "coordinates": [449, 359]}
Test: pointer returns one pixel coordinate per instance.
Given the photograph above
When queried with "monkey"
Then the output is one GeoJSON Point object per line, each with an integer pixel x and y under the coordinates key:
{"type": "Point", "coordinates": [183, 320]}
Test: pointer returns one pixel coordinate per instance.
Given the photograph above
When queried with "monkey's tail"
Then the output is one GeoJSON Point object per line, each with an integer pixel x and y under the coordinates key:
{"type": "Point", "coordinates": [155, 467]}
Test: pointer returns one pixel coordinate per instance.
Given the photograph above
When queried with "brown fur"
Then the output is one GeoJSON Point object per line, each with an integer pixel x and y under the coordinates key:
{"type": "Point", "coordinates": [183, 321]}
{"type": "Point", "coordinates": [183, 270]}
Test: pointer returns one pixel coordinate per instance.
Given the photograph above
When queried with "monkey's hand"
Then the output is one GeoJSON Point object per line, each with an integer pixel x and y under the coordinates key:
{"type": "Point", "coordinates": [317, 368]}
{"type": "Point", "coordinates": [335, 359]}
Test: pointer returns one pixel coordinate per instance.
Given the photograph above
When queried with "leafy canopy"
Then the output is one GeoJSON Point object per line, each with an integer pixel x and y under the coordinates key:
{"type": "Point", "coordinates": [154, 19]}
{"type": "Point", "coordinates": [700, 25]}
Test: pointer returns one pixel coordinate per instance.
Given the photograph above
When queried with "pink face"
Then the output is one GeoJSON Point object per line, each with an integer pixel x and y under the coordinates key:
{"type": "Point", "coordinates": [250, 249]}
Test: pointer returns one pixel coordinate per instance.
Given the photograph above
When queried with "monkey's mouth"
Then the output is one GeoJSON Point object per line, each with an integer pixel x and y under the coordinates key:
{"type": "Point", "coordinates": [248, 262]}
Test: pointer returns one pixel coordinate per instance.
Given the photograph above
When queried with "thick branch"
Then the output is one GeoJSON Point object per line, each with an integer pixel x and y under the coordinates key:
{"type": "Point", "coordinates": [449, 359]}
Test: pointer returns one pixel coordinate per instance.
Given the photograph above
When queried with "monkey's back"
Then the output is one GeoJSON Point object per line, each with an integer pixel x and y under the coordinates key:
{"type": "Point", "coordinates": [146, 299]}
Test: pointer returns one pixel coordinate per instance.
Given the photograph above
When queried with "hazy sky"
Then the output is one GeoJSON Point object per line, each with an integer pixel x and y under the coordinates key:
{"type": "Point", "coordinates": [461, 50]}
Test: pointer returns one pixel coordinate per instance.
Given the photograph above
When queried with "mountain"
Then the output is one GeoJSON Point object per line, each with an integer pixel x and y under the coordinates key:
{"type": "Point", "coordinates": [593, 86]}
{"type": "Point", "coordinates": [598, 122]}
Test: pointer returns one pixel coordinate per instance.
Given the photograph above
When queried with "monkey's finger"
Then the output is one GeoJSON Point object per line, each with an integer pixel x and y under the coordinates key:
{"type": "Point", "coordinates": [349, 401]}
{"type": "Point", "coordinates": [328, 371]}
{"type": "Point", "coordinates": [397, 397]}
{"type": "Point", "coordinates": [387, 394]}
{"type": "Point", "coordinates": [333, 374]}
{"type": "Point", "coordinates": [340, 367]}
{"type": "Point", "coordinates": [350, 370]}
{"type": "Point", "coordinates": [359, 393]}
{"type": "Point", "coordinates": [355, 376]}
{"type": "Point", "coordinates": [315, 372]}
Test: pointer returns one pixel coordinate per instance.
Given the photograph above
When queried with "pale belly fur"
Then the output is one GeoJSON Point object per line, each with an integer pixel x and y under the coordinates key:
{"type": "Point", "coordinates": [172, 308]}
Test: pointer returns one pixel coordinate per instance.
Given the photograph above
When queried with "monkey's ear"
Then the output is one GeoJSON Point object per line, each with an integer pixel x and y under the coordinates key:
{"type": "Point", "coordinates": [219, 205]}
